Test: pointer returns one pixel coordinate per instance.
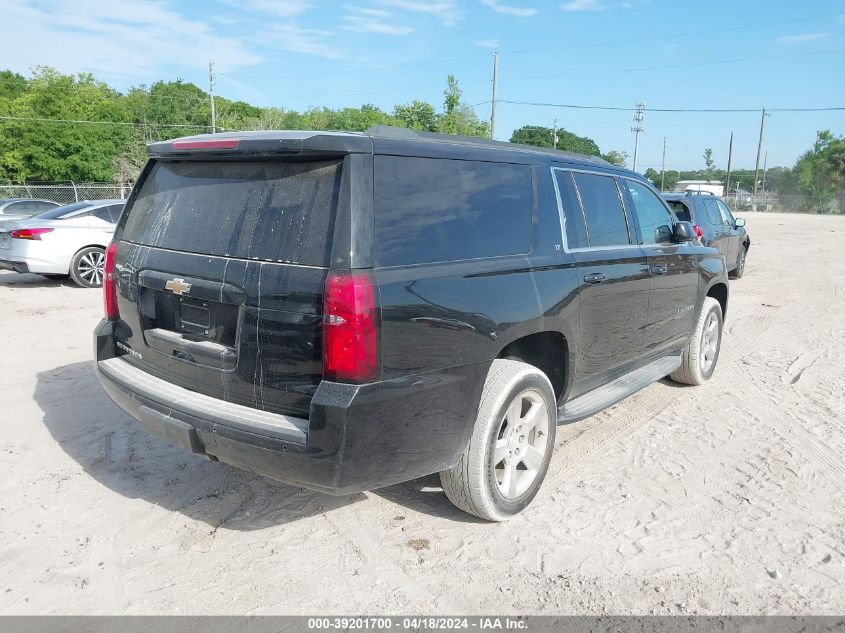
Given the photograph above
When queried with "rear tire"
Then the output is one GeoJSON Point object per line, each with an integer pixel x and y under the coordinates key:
{"type": "Point", "coordinates": [739, 271]}
{"type": "Point", "coordinates": [507, 457]}
{"type": "Point", "coordinates": [86, 267]}
{"type": "Point", "coordinates": [698, 360]}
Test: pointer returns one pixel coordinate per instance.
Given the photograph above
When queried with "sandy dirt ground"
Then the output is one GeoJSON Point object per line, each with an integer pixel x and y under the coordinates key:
{"type": "Point", "coordinates": [726, 498]}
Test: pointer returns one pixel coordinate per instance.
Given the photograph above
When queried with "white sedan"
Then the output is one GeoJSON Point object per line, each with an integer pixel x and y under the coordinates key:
{"type": "Point", "coordinates": [69, 240]}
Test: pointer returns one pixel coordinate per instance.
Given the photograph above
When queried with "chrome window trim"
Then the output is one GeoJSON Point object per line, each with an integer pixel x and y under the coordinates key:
{"type": "Point", "coordinates": [562, 216]}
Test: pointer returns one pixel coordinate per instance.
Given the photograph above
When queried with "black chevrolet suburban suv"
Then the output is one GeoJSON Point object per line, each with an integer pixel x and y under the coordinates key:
{"type": "Point", "coordinates": [344, 311]}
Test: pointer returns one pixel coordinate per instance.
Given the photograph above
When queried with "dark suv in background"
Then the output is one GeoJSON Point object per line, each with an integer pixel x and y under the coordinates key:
{"type": "Point", "coordinates": [715, 225]}
{"type": "Point", "coordinates": [346, 311]}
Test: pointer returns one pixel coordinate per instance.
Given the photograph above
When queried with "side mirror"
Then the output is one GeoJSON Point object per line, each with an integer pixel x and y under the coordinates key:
{"type": "Point", "coordinates": [683, 232]}
{"type": "Point", "coordinates": [739, 222]}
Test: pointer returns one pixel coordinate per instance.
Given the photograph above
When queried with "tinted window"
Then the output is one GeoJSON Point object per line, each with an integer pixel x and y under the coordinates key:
{"type": "Point", "coordinates": [21, 208]}
{"type": "Point", "coordinates": [653, 217]}
{"type": "Point", "coordinates": [711, 210]}
{"type": "Point", "coordinates": [115, 210]}
{"type": "Point", "coordinates": [102, 213]}
{"type": "Point", "coordinates": [681, 211]}
{"type": "Point", "coordinates": [433, 210]}
{"type": "Point", "coordinates": [576, 230]}
{"type": "Point", "coordinates": [276, 211]}
{"type": "Point", "coordinates": [59, 212]}
{"type": "Point", "coordinates": [44, 206]}
{"type": "Point", "coordinates": [727, 218]}
{"type": "Point", "coordinates": [606, 224]}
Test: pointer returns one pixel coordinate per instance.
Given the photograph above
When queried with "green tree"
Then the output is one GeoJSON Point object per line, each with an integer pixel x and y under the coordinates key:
{"type": "Point", "coordinates": [417, 115]}
{"type": "Point", "coordinates": [615, 157]}
{"type": "Point", "coordinates": [709, 163]}
{"type": "Point", "coordinates": [540, 136]}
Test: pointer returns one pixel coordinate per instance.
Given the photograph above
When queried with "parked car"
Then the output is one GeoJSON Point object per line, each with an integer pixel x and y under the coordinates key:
{"type": "Point", "coordinates": [65, 241]}
{"type": "Point", "coordinates": [17, 208]}
{"type": "Point", "coordinates": [715, 225]}
{"type": "Point", "coordinates": [346, 311]}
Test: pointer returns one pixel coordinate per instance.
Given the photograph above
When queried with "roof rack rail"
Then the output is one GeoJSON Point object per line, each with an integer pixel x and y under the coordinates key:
{"type": "Point", "coordinates": [388, 131]}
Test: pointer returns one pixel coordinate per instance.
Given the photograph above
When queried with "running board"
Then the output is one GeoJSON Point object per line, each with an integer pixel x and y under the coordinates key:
{"type": "Point", "coordinates": [602, 397]}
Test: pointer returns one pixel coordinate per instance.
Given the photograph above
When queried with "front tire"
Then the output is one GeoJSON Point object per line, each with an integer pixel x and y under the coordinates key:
{"type": "Point", "coordinates": [504, 464]}
{"type": "Point", "coordinates": [698, 360]}
{"type": "Point", "coordinates": [87, 266]}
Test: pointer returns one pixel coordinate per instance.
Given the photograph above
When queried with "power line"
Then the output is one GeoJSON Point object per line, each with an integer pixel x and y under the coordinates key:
{"type": "Point", "coordinates": [681, 110]}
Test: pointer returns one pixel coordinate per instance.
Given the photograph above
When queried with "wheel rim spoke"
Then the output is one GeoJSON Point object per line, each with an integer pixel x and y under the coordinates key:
{"type": "Point", "coordinates": [533, 458]}
{"type": "Point", "coordinates": [500, 451]}
{"type": "Point", "coordinates": [534, 415]}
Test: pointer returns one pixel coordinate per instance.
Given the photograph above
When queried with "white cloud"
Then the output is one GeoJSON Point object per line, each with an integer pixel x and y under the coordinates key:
{"type": "Point", "coordinates": [446, 11]}
{"type": "Point", "coordinates": [368, 20]}
{"type": "Point", "coordinates": [491, 43]}
{"type": "Point", "coordinates": [583, 5]}
{"type": "Point", "coordinates": [522, 12]}
{"type": "Point", "coordinates": [280, 8]}
{"type": "Point", "coordinates": [368, 25]}
{"type": "Point", "coordinates": [801, 38]}
{"type": "Point", "coordinates": [121, 41]}
{"type": "Point", "coordinates": [293, 38]}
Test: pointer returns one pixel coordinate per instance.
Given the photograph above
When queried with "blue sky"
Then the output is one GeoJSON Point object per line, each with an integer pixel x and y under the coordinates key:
{"type": "Point", "coordinates": [298, 53]}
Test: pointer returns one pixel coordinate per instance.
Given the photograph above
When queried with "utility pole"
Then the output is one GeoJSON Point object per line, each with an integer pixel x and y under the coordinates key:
{"type": "Point", "coordinates": [554, 136]}
{"type": "Point", "coordinates": [757, 164]}
{"type": "Point", "coordinates": [730, 156]}
{"type": "Point", "coordinates": [211, 94]}
{"type": "Point", "coordinates": [637, 128]}
{"type": "Point", "coordinates": [495, 85]}
{"type": "Point", "coordinates": [663, 168]}
{"type": "Point", "coordinates": [765, 162]}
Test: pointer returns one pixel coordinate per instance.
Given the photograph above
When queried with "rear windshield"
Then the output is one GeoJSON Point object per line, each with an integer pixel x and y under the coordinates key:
{"type": "Point", "coordinates": [273, 211]}
{"type": "Point", "coordinates": [680, 209]}
{"type": "Point", "coordinates": [60, 212]}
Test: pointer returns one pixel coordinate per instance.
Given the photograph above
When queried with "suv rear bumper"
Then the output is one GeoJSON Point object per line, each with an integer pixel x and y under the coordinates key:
{"type": "Point", "coordinates": [357, 437]}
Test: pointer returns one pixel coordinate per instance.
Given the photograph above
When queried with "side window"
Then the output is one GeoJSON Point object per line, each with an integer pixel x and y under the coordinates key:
{"type": "Point", "coordinates": [727, 217]}
{"type": "Point", "coordinates": [435, 210]}
{"type": "Point", "coordinates": [714, 217]}
{"type": "Point", "coordinates": [680, 210]}
{"type": "Point", "coordinates": [115, 210]}
{"type": "Point", "coordinates": [576, 230]}
{"type": "Point", "coordinates": [606, 225]}
{"type": "Point", "coordinates": [20, 208]}
{"type": "Point", "coordinates": [102, 213]}
{"type": "Point", "coordinates": [653, 217]}
{"type": "Point", "coordinates": [44, 206]}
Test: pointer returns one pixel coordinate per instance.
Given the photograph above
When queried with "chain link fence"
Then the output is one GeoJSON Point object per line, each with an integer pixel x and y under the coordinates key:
{"type": "Point", "coordinates": [66, 192]}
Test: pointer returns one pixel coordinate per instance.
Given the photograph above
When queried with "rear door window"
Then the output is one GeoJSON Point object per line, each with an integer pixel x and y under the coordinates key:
{"type": "Point", "coordinates": [714, 217]}
{"type": "Point", "coordinates": [727, 217]}
{"type": "Point", "coordinates": [435, 210]}
{"type": "Point", "coordinates": [576, 229]}
{"type": "Point", "coordinates": [681, 210]}
{"type": "Point", "coordinates": [652, 216]}
{"type": "Point", "coordinates": [606, 223]}
{"type": "Point", "coordinates": [266, 210]}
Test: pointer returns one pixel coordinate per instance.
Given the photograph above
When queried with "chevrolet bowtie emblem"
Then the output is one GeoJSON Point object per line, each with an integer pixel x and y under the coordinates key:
{"type": "Point", "coordinates": [178, 286]}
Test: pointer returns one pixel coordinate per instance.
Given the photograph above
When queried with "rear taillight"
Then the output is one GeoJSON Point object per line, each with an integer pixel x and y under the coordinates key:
{"type": "Point", "coordinates": [350, 344]}
{"type": "Point", "coordinates": [698, 230]}
{"type": "Point", "coordinates": [29, 234]}
{"type": "Point", "coordinates": [109, 285]}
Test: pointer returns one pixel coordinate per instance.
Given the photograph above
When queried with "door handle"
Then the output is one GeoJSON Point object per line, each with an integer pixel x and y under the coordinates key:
{"type": "Point", "coordinates": [594, 278]}
{"type": "Point", "coordinates": [657, 269]}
